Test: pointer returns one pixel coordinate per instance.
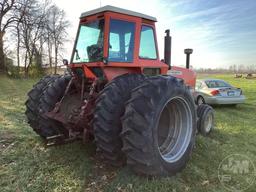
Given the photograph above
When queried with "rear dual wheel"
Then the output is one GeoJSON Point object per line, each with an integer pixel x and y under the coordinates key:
{"type": "Point", "coordinates": [41, 99]}
{"type": "Point", "coordinates": [53, 94]}
{"type": "Point", "coordinates": [159, 127]}
{"type": "Point", "coordinates": [107, 125]}
{"type": "Point", "coordinates": [32, 103]}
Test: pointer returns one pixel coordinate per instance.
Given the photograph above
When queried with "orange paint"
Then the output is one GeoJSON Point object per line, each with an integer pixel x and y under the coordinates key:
{"type": "Point", "coordinates": [113, 69]}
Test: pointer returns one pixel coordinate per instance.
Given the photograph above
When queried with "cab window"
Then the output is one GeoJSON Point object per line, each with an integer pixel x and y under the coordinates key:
{"type": "Point", "coordinates": [121, 41]}
{"type": "Point", "coordinates": [147, 43]}
{"type": "Point", "coordinates": [89, 46]}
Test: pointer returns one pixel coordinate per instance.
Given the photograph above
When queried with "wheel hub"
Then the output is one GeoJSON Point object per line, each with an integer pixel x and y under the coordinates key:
{"type": "Point", "coordinates": [174, 129]}
{"type": "Point", "coordinates": [208, 123]}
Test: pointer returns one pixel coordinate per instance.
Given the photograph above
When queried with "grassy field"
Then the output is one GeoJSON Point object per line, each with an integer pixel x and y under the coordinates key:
{"type": "Point", "coordinates": [27, 165]}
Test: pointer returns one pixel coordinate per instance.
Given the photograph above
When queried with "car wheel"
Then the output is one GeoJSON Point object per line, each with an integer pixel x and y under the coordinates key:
{"type": "Point", "coordinates": [200, 100]}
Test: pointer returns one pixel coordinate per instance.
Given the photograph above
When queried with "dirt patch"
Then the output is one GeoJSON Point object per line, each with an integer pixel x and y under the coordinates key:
{"type": "Point", "coordinates": [102, 174]}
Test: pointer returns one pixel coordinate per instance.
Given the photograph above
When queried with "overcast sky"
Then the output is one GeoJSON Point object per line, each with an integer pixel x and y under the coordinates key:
{"type": "Point", "coordinates": [221, 32]}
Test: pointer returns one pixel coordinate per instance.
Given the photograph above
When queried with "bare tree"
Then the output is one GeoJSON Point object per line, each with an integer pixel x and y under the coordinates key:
{"type": "Point", "coordinates": [250, 68]}
{"type": "Point", "coordinates": [233, 68]}
{"type": "Point", "coordinates": [31, 31]}
{"type": "Point", "coordinates": [6, 21]}
{"type": "Point", "coordinates": [48, 36]}
{"type": "Point", "coordinates": [19, 13]}
{"type": "Point", "coordinates": [241, 68]}
{"type": "Point", "coordinates": [56, 32]}
{"type": "Point", "coordinates": [36, 25]}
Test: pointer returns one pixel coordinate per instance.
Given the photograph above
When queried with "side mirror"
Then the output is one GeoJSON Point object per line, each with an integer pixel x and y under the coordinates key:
{"type": "Point", "coordinates": [65, 62]}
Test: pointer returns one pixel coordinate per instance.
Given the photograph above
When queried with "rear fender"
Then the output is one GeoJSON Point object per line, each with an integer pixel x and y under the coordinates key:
{"type": "Point", "coordinates": [112, 72]}
{"type": "Point", "coordinates": [188, 75]}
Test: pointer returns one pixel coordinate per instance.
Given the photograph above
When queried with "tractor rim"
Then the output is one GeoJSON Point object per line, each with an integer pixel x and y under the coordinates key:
{"type": "Point", "coordinates": [208, 123]}
{"type": "Point", "coordinates": [174, 129]}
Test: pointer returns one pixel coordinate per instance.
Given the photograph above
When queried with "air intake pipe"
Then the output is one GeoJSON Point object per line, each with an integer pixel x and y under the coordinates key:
{"type": "Point", "coordinates": [167, 48]}
{"type": "Point", "coordinates": [188, 52]}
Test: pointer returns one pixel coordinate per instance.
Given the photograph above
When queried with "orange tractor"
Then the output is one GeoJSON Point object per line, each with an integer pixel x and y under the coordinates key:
{"type": "Point", "coordinates": [118, 93]}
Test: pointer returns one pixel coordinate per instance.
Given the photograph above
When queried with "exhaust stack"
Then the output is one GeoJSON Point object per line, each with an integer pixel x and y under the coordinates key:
{"type": "Point", "coordinates": [188, 52]}
{"type": "Point", "coordinates": [167, 48]}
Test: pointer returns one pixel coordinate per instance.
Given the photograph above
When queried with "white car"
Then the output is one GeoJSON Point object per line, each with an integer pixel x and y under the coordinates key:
{"type": "Point", "coordinates": [216, 91]}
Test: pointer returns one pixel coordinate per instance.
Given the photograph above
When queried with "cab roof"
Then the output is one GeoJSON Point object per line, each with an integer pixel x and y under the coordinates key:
{"type": "Point", "coordinates": [117, 10]}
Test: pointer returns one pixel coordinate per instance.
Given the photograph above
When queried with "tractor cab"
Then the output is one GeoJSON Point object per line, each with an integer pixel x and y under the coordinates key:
{"type": "Point", "coordinates": [120, 40]}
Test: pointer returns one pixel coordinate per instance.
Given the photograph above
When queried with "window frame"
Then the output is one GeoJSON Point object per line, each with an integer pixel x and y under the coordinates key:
{"type": "Point", "coordinates": [156, 48]}
{"type": "Point", "coordinates": [77, 36]}
{"type": "Point", "coordinates": [134, 39]}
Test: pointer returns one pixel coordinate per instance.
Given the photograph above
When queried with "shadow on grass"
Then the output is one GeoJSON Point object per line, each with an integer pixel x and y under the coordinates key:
{"type": "Point", "coordinates": [83, 161]}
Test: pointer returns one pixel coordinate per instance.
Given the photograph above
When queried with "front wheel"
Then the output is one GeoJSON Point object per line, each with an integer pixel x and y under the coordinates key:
{"type": "Point", "coordinates": [205, 122]}
{"type": "Point", "coordinates": [159, 127]}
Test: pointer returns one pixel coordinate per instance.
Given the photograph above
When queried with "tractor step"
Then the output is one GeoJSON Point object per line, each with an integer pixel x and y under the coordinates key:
{"type": "Point", "coordinates": [58, 140]}
{"type": "Point", "coordinates": [55, 140]}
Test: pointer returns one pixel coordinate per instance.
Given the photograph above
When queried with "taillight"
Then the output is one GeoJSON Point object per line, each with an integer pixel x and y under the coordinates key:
{"type": "Point", "coordinates": [215, 92]}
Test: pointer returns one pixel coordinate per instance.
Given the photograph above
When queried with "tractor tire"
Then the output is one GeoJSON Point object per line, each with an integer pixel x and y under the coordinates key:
{"type": "Point", "coordinates": [53, 94]}
{"type": "Point", "coordinates": [159, 127]}
{"type": "Point", "coordinates": [205, 123]}
{"type": "Point", "coordinates": [33, 100]}
{"type": "Point", "coordinates": [110, 106]}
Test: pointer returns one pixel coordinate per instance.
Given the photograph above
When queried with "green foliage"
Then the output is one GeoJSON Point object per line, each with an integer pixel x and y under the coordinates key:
{"type": "Point", "coordinates": [35, 70]}
{"type": "Point", "coordinates": [27, 165]}
{"type": "Point", "coordinates": [37, 66]}
{"type": "Point", "coordinates": [12, 70]}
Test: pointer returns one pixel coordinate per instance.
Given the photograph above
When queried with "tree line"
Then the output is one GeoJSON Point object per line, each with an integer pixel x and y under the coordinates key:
{"type": "Point", "coordinates": [32, 32]}
{"type": "Point", "coordinates": [233, 69]}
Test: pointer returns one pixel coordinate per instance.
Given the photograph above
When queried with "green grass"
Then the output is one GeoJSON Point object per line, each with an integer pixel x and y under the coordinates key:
{"type": "Point", "coordinates": [27, 165]}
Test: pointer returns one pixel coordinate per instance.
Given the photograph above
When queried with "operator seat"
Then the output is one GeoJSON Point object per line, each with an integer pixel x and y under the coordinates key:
{"type": "Point", "coordinates": [95, 53]}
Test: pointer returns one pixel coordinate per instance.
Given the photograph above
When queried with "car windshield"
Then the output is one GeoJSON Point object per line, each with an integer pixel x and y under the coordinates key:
{"type": "Point", "coordinates": [89, 46]}
{"type": "Point", "coordinates": [216, 84]}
